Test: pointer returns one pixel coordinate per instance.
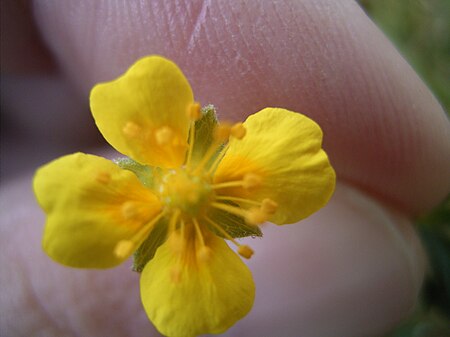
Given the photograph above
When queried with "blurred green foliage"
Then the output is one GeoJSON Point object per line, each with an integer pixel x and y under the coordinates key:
{"type": "Point", "coordinates": [421, 31]}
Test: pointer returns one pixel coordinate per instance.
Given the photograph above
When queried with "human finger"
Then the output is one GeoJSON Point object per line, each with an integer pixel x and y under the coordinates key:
{"type": "Point", "coordinates": [384, 131]}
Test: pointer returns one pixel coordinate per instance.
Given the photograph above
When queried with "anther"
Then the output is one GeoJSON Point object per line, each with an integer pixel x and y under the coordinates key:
{"type": "Point", "coordinates": [256, 216]}
{"type": "Point", "coordinates": [194, 111]}
{"type": "Point", "coordinates": [238, 131]}
{"type": "Point", "coordinates": [251, 181]}
{"type": "Point", "coordinates": [245, 251]}
{"type": "Point", "coordinates": [123, 248]}
{"type": "Point", "coordinates": [204, 254]}
{"type": "Point", "coordinates": [269, 206]}
{"type": "Point", "coordinates": [103, 177]}
{"type": "Point", "coordinates": [129, 210]}
{"type": "Point", "coordinates": [164, 135]}
{"type": "Point", "coordinates": [222, 132]}
{"type": "Point", "coordinates": [131, 129]}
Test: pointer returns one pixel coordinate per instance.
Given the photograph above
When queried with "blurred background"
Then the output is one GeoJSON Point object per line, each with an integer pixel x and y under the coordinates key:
{"type": "Point", "coordinates": [421, 31]}
{"type": "Point", "coordinates": [419, 28]}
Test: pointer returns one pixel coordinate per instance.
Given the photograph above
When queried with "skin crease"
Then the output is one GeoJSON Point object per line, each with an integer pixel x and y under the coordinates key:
{"type": "Point", "coordinates": [354, 268]}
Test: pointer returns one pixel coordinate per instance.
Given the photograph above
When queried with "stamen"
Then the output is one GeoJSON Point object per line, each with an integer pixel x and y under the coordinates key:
{"type": "Point", "coordinates": [129, 210]}
{"type": "Point", "coordinates": [103, 177]}
{"type": "Point", "coordinates": [251, 181]}
{"type": "Point", "coordinates": [222, 132]}
{"type": "Point", "coordinates": [176, 240]}
{"type": "Point", "coordinates": [230, 209]}
{"type": "Point", "coordinates": [124, 247]}
{"type": "Point", "coordinates": [221, 135]}
{"type": "Point", "coordinates": [226, 184]}
{"type": "Point", "coordinates": [269, 206]}
{"type": "Point", "coordinates": [222, 231]}
{"type": "Point", "coordinates": [204, 254]}
{"type": "Point", "coordinates": [131, 129]}
{"type": "Point", "coordinates": [209, 153]}
{"type": "Point", "coordinates": [238, 131]}
{"type": "Point", "coordinates": [191, 144]}
{"type": "Point", "coordinates": [198, 232]}
{"type": "Point", "coordinates": [194, 111]}
{"type": "Point", "coordinates": [237, 199]}
{"type": "Point", "coordinates": [255, 216]}
{"type": "Point", "coordinates": [173, 221]}
{"type": "Point", "coordinates": [164, 135]}
{"type": "Point", "coordinates": [176, 271]}
{"type": "Point", "coordinates": [246, 251]}
{"type": "Point", "coordinates": [217, 160]}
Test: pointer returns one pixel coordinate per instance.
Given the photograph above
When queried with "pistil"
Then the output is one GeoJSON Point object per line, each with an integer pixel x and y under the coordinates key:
{"type": "Point", "coordinates": [188, 194]}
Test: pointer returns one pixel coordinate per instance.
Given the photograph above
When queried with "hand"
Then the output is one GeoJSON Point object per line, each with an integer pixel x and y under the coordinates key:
{"type": "Point", "coordinates": [353, 269]}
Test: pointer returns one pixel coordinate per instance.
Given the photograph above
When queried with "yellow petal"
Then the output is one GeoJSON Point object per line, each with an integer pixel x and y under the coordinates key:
{"type": "Point", "coordinates": [91, 206]}
{"type": "Point", "coordinates": [205, 298]}
{"type": "Point", "coordinates": [144, 113]}
{"type": "Point", "coordinates": [283, 148]}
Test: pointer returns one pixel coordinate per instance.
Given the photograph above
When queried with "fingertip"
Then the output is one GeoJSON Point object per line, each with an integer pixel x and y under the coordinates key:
{"type": "Point", "coordinates": [384, 130]}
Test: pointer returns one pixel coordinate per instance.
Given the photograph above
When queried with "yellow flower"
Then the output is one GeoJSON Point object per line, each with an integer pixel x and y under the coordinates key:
{"type": "Point", "coordinates": [191, 184]}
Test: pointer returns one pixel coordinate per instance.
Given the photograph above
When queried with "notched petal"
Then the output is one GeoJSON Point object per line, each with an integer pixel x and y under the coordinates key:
{"type": "Point", "coordinates": [144, 113]}
{"type": "Point", "coordinates": [189, 300]}
{"type": "Point", "coordinates": [284, 148]}
{"type": "Point", "coordinates": [91, 206]}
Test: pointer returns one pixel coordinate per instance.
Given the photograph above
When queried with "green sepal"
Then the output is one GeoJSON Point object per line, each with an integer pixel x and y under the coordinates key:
{"type": "Point", "coordinates": [147, 249]}
{"type": "Point", "coordinates": [234, 225]}
{"type": "Point", "coordinates": [204, 132]}
{"type": "Point", "coordinates": [145, 174]}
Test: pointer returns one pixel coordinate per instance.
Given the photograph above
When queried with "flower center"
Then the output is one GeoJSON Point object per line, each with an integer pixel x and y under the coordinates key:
{"type": "Point", "coordinates": [185, 191]}
{"type": "Point", "coordinates": [192, 200]}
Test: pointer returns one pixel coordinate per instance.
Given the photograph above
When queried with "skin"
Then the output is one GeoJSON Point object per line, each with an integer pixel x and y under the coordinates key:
{"type": "Point", "coordinates": [353, 269]}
